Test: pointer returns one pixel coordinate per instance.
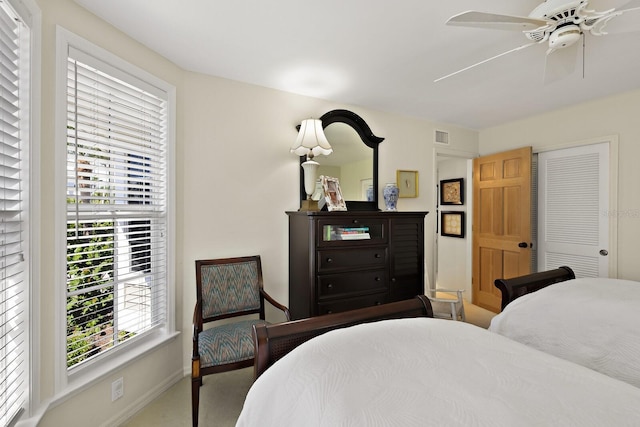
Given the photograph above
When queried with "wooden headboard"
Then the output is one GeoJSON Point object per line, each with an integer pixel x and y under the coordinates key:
{"type": "Point", "coordinates": [518, 286]}
{"type": "Point", "coordinates": [273, 341]}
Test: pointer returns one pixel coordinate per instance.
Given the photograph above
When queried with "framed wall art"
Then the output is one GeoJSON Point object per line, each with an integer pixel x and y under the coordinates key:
{"type": "Point", "coordinates": [407, 182]}
{"type": "Point", "coordinates": [452, 224]}
{"type": "Point", "coordinates": [452, 191]}
{"type": "Point", "coordinates": [333, 194]}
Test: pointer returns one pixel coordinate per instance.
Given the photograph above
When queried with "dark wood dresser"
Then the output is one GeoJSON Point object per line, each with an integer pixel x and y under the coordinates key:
{"type": "Point", "coordinates": [340, 261]}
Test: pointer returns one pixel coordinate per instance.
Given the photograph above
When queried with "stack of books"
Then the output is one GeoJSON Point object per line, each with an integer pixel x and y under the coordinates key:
{"type": "Point", "coordinates": [353, 233]}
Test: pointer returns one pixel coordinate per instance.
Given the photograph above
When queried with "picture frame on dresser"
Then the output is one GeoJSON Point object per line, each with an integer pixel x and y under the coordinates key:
{"type": "Point", "coordinates": [333, 194]}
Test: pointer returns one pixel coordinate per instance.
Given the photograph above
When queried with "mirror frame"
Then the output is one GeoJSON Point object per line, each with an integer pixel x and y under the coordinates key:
{"type": "Point", "coordinates": [368, 138]}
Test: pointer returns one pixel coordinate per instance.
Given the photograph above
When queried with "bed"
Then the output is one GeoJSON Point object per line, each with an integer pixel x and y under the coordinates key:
{"type": "Point", "coordinates": [414, 370]}
{"type": "Point", "coordinates": [589, 321]}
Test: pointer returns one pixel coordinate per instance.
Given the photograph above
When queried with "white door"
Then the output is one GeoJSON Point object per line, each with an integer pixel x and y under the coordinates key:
{"type": "Point", "coordinates": [573, 202]}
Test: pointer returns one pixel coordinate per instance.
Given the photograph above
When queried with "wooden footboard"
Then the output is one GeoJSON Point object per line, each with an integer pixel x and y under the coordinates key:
{"type": "Point", "coordinates": [274, 341]}
{"type": "Point", "coordinates": [519, 286]}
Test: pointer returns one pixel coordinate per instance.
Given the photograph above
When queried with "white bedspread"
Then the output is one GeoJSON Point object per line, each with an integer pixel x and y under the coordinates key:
{"type": "Point", "coordinates": [593, 322]}
{"type": "Point", "coordinates": [432, 372]}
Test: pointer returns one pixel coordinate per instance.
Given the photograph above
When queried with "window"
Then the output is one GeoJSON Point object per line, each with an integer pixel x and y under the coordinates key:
{"type": "Point", "coordinates": [15, 71]}
{"type": "Point", "coordinates": [117, 206]}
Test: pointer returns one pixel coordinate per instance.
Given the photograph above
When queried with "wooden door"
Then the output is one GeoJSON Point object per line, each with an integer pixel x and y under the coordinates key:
{"type": "Point", "coordinates": [501, 222]}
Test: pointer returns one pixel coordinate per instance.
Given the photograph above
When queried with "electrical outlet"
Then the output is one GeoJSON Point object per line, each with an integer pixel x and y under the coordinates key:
{"type": "Point", "coordinates": [117, 389]}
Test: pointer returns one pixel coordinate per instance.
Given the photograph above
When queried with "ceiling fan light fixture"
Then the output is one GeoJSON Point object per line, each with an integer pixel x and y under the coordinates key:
{"type": "Point", "coordinates": [564, 37]}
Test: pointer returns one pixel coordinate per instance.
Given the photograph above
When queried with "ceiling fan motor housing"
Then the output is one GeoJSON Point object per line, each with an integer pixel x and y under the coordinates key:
{"type": "Point", "coordinates": [565, 36]}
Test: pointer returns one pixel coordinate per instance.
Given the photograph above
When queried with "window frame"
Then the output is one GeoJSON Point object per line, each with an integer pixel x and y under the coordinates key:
{"type": "Point", "coordinates": [69, 382]}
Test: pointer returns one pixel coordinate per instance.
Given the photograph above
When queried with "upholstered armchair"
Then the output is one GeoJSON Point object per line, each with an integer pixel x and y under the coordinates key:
{"type": "Point", "coordinates": [226, 288]}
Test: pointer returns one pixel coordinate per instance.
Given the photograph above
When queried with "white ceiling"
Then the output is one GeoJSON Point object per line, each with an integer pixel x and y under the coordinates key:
{"type": "Point", "coordinates": [380, 54]}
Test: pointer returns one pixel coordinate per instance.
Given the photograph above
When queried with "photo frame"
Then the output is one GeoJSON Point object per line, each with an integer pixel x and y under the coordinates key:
{"type": "Point", "coordinates": [333, 194]}
{"type": "Point", "coordinates": [452, 191]}
{"type": "Point", "coordinates": [452, 224]}
{"type": "Point", "coordinates": [407, 182]}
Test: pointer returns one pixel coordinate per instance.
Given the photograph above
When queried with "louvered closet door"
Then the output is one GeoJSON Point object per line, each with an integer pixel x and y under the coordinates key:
{"type": "Point", "coordinates": [573, 202]}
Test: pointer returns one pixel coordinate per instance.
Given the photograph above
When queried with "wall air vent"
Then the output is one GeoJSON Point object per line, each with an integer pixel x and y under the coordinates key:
{"type": "Point", "coordinates": [442, 137]}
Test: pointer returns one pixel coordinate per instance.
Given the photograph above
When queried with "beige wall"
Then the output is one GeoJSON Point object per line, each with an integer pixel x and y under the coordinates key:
{"type": "Point", "coordinates": [617, 115]}
{"type": "Point", "coordinates": [240, 178]}
{"type": "Point", "coordinates": [235, 179]}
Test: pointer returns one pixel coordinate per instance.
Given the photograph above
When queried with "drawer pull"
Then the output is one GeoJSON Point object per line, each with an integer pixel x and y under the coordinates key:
{"type": "Point", "coordinates": [378, 303]}
{"type": "Point", "coordinates": [377, 255]}
{"type": "Point", "coordinates": [355, 221]}
{"type": "Point", "coordinates": [329, 311]}
{"type": "Point", "coordinates": [330, 286]}
{"type": "Point", "coordinates": [377, 279]}
{"type": "Point", "coordinates": [393, 279]}
{"type": "Point", "coordinates": [329, 259]}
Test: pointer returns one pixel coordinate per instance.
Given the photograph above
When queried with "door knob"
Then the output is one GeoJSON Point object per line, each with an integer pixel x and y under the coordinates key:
{"type": "Point", "coordinates": [522, 245]}
{"type": "Point", "coordinates": [604, 252]}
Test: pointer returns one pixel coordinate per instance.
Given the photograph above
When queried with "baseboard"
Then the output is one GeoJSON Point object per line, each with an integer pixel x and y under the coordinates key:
{"type": "Point", "coordinates": [143, 400]}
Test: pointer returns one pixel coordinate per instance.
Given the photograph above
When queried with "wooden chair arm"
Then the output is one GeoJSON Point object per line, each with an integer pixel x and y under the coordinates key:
{"type": "Point", "coordinates": [276, 304]}
{"type": "Point", "coordinates": [197, 321]}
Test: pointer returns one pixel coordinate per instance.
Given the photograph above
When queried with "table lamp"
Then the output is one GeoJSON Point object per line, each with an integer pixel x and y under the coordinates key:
{"type": "Point", "coordinates": [311, 141]}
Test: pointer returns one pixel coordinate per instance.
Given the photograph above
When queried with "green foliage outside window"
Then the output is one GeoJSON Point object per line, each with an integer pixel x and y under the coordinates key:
{"type": "Point", "coordinates": [89, 264]}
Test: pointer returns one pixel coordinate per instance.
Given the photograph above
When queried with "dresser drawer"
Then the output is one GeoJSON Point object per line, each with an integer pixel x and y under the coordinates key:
{"type": "Point", "coordinates": [336, 259]}
{"type": "Point", "coordinates": [351, 303]}
{"type": "Point", "coordinates": [345, 284]}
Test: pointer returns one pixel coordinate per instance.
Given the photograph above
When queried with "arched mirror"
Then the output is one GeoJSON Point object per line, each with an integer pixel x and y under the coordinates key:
{"type": "Point", "coordinates": [354, 160]}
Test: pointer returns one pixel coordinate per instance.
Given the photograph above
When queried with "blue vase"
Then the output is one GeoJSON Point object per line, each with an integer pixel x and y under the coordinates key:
{"type": "Point", "coordinates": [370, 193]}
{"type": "Point", "coordinates": [390, 194]}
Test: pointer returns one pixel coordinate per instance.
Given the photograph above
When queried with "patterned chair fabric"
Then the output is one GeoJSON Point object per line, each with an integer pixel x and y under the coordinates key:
{"type": "Point", "coordinates": [230, 288]}
{"type": "Point", "coordinates": [227, 343]}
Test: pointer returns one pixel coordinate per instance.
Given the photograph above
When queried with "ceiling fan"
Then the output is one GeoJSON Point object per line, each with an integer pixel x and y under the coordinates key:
{"type": "Point", "coordinates": [560, 23]}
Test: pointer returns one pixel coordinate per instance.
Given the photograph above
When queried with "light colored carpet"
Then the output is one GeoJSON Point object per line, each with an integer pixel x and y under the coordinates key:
{"type": "Point", "coordinates": [221, 399]}
{"type": "Point", "coordinates": [222, 395]}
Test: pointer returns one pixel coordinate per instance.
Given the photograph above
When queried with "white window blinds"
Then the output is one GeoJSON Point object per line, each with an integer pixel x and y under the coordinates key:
{"type": "Point", "coordinates": [116, 207]}
{"type": "Point", "coordinates": [14, 290]}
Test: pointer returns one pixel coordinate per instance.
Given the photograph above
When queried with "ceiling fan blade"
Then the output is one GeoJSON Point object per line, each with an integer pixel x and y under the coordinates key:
{"type": "Point", "coordinates": [631, 5]}
{"type": "Point", "coordinates": [476, 19]}
{"type": "Point", "coordinates": [560, 62]}
{"type": "Point", "coordinates": [485, 61]}
{"type": "Point", "coordinates": [620, 22]}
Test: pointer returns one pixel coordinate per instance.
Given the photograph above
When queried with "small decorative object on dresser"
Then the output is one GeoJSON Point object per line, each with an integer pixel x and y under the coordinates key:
{"type": "Point", "coordinates": [407, 183]}
{"type": "Point", "coordinates": [333, 194]}
{"type": "Point", "coordinates": [367, 189]}
{"type": "Point", "coordinates": [390, 194]}
{"type": "Point", "coordinates": [452, 191]}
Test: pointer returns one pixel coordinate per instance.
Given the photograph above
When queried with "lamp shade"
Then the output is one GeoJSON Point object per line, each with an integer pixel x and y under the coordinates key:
{"type": "Point", "coordinates": [311, 140]}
